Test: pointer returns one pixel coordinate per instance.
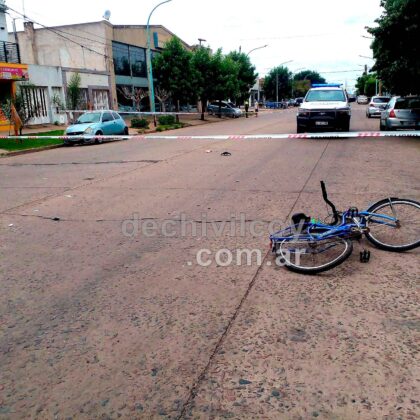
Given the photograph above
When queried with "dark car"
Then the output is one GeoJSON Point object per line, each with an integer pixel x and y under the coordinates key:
{"type": "Point", "coordinates": [401, 113]}
{"type": "Point", "coordinates": [298, 101]}
{"type": "Point", "coordinates": [227, 109]}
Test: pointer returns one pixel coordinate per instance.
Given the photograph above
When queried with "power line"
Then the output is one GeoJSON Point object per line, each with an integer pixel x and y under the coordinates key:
{"type": "Point", "coordinates": [62, 36]}
{"type": "Point", "coordinates": [286, 37]}
{"type": "Point", "coordinates": [58, 32]}
{"type": "Point", "coordinates": [339, 71]}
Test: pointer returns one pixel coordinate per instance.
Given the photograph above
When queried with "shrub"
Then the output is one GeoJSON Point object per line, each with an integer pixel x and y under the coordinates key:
{"type": "Point", "coordinates": [139, 123]}
{"type": "Point", "coordinates": [166, 120]}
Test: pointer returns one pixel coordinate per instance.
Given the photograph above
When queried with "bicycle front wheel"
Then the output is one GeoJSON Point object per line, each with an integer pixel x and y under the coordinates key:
{"type": "Point", "coordinates": [309, 256]}
{"type": "Point", "coordinates": [399, 230]}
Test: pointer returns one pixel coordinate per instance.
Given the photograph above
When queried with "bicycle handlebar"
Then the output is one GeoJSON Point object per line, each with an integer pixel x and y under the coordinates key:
{"type": "Point", "coordinates": [330, 203]}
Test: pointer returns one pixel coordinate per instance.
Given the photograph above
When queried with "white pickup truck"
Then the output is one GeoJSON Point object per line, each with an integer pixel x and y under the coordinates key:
{"type": "Point", "coordinates": [325, 107]}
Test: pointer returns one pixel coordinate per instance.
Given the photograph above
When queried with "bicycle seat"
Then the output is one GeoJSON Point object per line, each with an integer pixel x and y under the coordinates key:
{"type": "Point", "coordinates": [298, 218]}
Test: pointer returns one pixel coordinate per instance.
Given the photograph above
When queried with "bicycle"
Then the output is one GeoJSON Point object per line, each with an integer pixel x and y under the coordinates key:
{"type": "Point", "coordinates": [310, 246]}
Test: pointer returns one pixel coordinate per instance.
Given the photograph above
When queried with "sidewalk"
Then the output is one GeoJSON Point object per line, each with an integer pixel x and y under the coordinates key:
{"type": "Point", "coordinates": [41, 128]}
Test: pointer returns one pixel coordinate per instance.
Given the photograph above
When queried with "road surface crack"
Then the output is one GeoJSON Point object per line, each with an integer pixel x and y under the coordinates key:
{"type": "Point", "coordinates": [194, 389]}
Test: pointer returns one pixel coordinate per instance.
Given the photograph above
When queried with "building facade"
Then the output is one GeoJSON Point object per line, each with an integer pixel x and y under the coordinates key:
{"type": "Point", "coordinates": [110, 59]}
{"type": "Point", "coordinates": [11, 71]}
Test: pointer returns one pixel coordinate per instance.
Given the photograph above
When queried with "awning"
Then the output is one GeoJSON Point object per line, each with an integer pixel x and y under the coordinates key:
{"type": "Point", "coordinates": [9, 71]}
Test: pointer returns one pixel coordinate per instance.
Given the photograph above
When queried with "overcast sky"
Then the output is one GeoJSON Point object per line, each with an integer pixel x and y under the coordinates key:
{"type": "Point", "coordinates": [323, 35]}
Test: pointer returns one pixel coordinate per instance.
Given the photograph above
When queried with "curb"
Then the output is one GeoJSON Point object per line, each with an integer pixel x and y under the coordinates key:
{"type": "Point", "coordinates": [33, 150]}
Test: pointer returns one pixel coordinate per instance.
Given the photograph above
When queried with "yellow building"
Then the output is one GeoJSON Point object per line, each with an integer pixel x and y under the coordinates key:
{"type": "Point", "coordinates": [11, 71]}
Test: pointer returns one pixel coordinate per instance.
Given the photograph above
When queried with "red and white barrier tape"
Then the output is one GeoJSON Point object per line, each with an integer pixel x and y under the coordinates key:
{"type": "Point", "coordinates": [334, 135]}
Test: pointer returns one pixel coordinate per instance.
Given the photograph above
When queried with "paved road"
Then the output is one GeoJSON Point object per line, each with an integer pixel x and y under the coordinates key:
{"type": "Point", "coordinates": [103, 315]}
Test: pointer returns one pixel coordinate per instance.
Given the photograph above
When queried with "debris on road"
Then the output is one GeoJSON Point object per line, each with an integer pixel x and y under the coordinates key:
{"type": "Point", "coordinates": [225, 154]}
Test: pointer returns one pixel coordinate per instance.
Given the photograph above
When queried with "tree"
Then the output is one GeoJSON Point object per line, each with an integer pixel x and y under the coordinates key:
{"type": "Point", "coordinates": [25, 109]}
{"type": "Point", "coordinates": [204, 67]}
{"type": "Point", "coordinates": [311, 75]}
{"type": "Point", "coordinates": [366, 84]}
{"type": "Point", "coordinates": [284, 83]}
{"type": "Point", "coordinates": [246, 76]}
{"type": "Point", "coordinates": [303, 81]}
{"type": "Point", "coordinates": [396, 46]}
{"type": "Point", "coordinates": [74, 91]}
{"type": "Point", "coordinates": [136, 95]}
{"type": "Point", "coordinates": [216, 76]}
{"type": "Point", "coordinates": [300, 87]}
{"type": "Point", "coordinates": [18, 109]}
{"type": "Point", "coordinates": [173, 71]}
{"type": "Point", "coordinates": [162, 96]}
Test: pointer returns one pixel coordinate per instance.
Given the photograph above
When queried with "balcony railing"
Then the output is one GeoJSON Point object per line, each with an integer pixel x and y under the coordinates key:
{"type": "Point", "coordinates": [9, 52]}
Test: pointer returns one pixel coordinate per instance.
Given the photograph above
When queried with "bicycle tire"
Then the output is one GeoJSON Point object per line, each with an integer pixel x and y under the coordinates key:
{"type": "Point", "coordinates": [382, 204]}
{"type": "Point", "coordinates": [348, 249]}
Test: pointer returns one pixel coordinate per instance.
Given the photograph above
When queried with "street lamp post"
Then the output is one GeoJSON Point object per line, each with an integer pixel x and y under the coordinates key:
{"type": "Point", "coordinates": [249, 52]}
{"type": "Point", "coordinates": [378, 86]}
{"type": "Point", "coordinates": [257, 48]}
{"type": "Point", "coordinates": [277, 79]}
{"type": "Point", "coordinates": [149, 60]}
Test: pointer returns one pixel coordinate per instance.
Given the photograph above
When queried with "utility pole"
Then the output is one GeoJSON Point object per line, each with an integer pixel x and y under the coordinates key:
{"type": "Point", "coordinates": [277, 88]}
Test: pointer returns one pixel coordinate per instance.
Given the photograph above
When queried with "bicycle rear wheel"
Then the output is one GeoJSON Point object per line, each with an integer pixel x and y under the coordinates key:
{"type": "Point", "coordinates": [308, 256]}
{"type": "Point", "coordinates": [402, 233]}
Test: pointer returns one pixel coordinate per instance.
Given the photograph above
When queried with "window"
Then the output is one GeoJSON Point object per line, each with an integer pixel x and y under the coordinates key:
{"type": "Point", "coordinates": [107, 116]}
{"type": "Point", "coordinates": [35, 101]}
{"type": "Point", "coordinates": [116, 116]}
{"type": "Point", "coordinates": [121, 59]}
{"type": "Point", "coordinates": [138, 61]}
{"type": "Point", "coordinates": [124, 97]}
{"type": "Point", "coordinates": [381, 100]}
{"type": "Point", "coordinates": [100, 99]}
{"type": "Point", "coordinates": [129, 60]}
{"type": "Point", "coordinates": [89, 117]}
{"type": "Point", "coordinates": [408, 103]}
{"type": "Point", "coordinates": [317, 95]}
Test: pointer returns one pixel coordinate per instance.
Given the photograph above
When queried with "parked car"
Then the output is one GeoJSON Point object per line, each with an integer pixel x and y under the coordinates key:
{"type": "Point", "coordinates": [376, 106]}
{"type": "Point", "coordinates": [226, 108]}
{"type": "Point", "coordinates": [401, 112]}
{"type": "Point", "coordinates": [106, 122]}
{"type": "Point", "coordinates": [298, 101]}
{"type": "Point", "coordinates": [362, 100]}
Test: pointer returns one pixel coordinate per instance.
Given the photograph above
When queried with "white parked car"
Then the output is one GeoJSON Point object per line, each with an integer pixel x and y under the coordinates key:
{"type": "Point", "coordinates": [376, 106]}
{"type": "Point", "coordinates": [362, 100]}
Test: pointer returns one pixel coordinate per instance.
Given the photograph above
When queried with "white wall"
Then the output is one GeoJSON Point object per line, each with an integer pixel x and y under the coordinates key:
{"type": "Point", "coordinates": [48, 48]}
{"type": "Point", "coordinates": [89, 79]}
{"type": "Point", "coordinates": [3, 25]}
{"type": "Point", "coordinates": [48, 77]}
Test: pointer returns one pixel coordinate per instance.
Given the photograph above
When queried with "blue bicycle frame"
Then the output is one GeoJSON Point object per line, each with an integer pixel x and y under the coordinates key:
{"type": "Point", "coordinates": [346, 229]}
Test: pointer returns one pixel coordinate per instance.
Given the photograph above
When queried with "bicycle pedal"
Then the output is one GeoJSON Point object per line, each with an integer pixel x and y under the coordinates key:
{"type": "Point", "coordinates": [364, 256]}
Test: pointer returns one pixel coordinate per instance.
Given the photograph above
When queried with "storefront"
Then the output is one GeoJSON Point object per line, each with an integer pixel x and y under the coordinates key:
{"type": "Point", "coordinates": [9, 74]}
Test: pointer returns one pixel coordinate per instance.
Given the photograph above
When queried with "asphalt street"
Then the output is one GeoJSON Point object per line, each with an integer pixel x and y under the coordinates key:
{"type": "Point", "coordinates": [106, 313]}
